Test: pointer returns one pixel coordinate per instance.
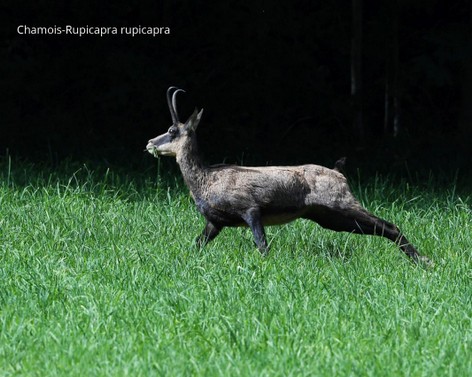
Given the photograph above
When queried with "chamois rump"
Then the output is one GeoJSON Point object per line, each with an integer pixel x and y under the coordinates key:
{"type": "Point", "coordinates": [231, 196]}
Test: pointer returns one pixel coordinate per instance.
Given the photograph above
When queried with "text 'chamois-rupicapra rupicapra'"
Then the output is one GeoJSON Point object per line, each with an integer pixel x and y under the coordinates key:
{"type": "Point", "coordinates": [229, 195]}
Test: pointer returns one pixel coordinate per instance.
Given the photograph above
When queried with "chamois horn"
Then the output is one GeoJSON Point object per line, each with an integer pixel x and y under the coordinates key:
{"type": "Point", "coordinates": [173, 103]}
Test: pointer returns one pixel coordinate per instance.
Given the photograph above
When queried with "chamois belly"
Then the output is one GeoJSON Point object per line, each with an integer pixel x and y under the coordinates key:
{"type": "Point", "coordinates": [232, 216]}
{"type": "Point", "coordinates": [281, 216]}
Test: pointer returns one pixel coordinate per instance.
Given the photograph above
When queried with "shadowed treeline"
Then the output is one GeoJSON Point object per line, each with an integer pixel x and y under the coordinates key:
{"type": "Point", "coordinates": [274, 79]}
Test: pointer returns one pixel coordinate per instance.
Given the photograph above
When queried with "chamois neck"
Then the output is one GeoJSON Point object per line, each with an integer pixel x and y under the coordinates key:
{"type": "Point", "coordinates": [191, 166]}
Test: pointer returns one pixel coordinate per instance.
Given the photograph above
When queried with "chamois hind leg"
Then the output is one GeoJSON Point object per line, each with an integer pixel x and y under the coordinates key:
{"type": "Point", "coordinates": [209, 232]}
{"type": "Point", "coordinates": [358, 220]}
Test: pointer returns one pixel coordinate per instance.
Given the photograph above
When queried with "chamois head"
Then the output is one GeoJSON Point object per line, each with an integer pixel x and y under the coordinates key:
{"type": "Point", "coordinates": [173, 141]}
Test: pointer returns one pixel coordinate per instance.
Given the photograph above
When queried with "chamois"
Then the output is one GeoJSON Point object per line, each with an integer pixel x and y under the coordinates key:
{"type": "Point", "coordinates": [231, 196]}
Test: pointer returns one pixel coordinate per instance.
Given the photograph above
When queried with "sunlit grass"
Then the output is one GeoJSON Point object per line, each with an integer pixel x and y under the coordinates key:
{"type": "Point", "coordinates": [99, 275]}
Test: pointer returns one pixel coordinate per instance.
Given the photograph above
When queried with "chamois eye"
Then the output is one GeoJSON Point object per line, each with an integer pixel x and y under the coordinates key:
{"type": "Point", "coordinates": [173, 131]}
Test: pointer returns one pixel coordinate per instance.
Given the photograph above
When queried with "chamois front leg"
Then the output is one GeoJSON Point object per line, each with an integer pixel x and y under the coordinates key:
{"type": "Point", "coordinates": [209, 232]}
{"type": "Point", "coordinates": [253, 219]}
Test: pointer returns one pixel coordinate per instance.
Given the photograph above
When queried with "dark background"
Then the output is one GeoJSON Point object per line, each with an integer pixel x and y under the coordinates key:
{"type": "Point", "coordinates": [274, 78]}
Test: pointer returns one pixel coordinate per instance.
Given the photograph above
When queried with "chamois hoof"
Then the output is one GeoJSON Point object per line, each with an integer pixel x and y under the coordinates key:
{"type": "Point", "coordinates": [264, 252]}
{"type": "Point", "coordinates": [424, 261]}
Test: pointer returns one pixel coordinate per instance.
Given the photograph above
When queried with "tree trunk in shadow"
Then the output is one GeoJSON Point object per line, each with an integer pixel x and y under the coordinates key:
{"type": "Point", "coordinates": [356, 70]}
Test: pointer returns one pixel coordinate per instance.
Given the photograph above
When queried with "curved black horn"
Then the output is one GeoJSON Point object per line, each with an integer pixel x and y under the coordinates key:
{"type": "Point", "coordinates": [173, 103]}
{"type": "Point", "coordinates": [173, 114]}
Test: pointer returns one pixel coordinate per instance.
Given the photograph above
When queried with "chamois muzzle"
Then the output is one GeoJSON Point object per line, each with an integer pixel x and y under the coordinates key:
{"type": "Point", "coordinates": [160, 145]}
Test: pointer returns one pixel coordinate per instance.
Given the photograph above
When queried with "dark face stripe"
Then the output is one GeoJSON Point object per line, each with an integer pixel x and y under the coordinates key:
{"type": "Point", "coordinates": [166, 138]}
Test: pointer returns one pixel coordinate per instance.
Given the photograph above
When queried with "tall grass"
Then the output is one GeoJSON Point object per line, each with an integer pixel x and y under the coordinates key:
{"type": "Point", "coordinates": [99, 275]}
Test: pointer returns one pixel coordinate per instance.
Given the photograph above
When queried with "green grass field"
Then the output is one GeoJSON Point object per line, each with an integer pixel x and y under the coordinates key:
{"type": "Point", "coordinates": [99, 276]}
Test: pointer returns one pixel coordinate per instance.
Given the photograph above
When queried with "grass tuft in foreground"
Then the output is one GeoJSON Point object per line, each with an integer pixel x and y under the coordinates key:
{"type": "Point", "coordinates": [99, 275]}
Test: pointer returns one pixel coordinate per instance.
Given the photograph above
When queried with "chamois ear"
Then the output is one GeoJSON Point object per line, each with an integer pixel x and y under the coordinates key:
{"type": "Point", "coordinates": [192, 122]}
